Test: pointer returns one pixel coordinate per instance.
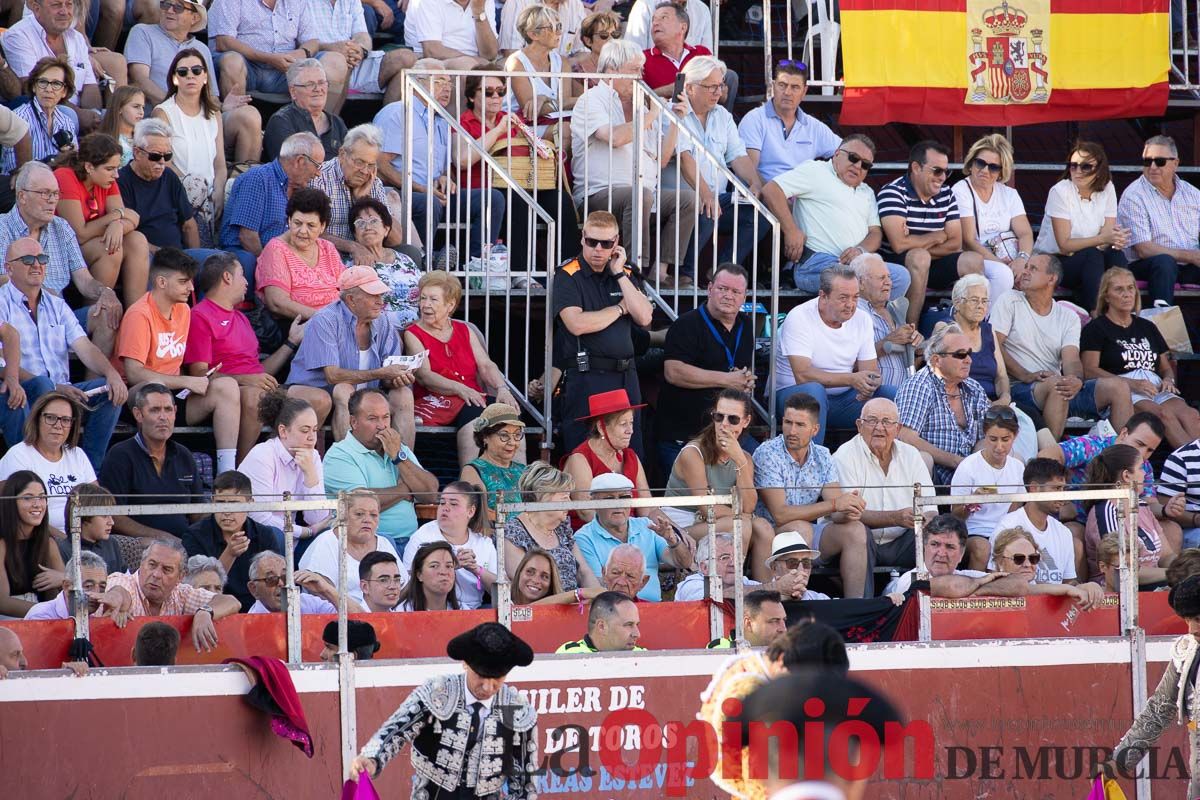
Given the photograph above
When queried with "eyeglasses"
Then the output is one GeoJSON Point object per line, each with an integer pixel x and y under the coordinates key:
{"type": "Point", "coordinates": [874, 422]}
{"type": "Point", "coordinates": [493, 92]}
{"type": "Point", "coordinates": [271, 581]}
{"type": "Point", "coordinates": [509, 438]}
{"type": "Point", "coordinates": [999, 414]}
{"type": "Point", "coordinates": [556, 27]}
{"type": "Point", "coordinates": [937, 172]}
{"type": "Point", "coordinates": [734, 419]}
{"type": "Point", "coordinates": [29, 261]}
{"type": "Point", "coordinates": [45, 193]}
{"type": "Point", "coordinates": [975, 301]}
{"type": "Point", "coordinates": [178, 8]}
{"type": "Point", "coordinates": [1019, 558]}
{"type": "Point", "coordinates": [310, 85]}
{"type": "Point", "coordinates": [800, 65]}
{"type": "Point", "coordinates": [310, 160]}
{"type": "Point", "coordinates": [368, 222]}
{"type": "Point", "coordinates": [855, 158]}
{"type": "Point", "coordinates": [55, 421]}
{"type": "Point", "coordinates": [979, 163]}
{"type": "Point", "coordinates": [1158, 161]}
{"type": "Point", "coordinates": [731, 290]}
{"type": "Point", "coordinates": [156, 157]}
{"type": "Point", "coordinates": [798, 563]}
{"type": "Point", "coordinates": [604, 37]}
{"type": "Point", "coordinates": [43, 83]}
{"type": "Point", "coordinates": [195, 69]}
{"type": "Point", "coordinates": [360, 164]}
{"type": "Point", "coordinates": [601, 244]}
{"type": "Point", "coordinates": [1083, 167]}
{"type": "Point", "coordinates": [961, 355]}
{"type": "Point", "coordinates": [387, 580]}
{"type": "Point", "coordinates": [711, 88]}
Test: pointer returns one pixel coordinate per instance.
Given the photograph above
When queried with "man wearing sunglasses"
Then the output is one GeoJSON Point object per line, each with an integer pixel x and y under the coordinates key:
{"type": "Point", "coordinates": [268, 571]}
{"type": "Point", "coordinates": [598, 304]}
{"type": "Point", "coordinates": [941, 406]}
{"type": "Point", "coordinates": [1162, 213]}
{"type": "Point", "coordinates": [922, 231]}
{"type": "Point", "coordinates": [834, 219]}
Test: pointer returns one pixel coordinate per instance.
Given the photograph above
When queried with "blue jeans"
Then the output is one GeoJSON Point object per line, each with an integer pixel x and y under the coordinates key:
{"type": "Point", "coordinates": [97, 428]}
{"type": "Point", "coordinates": [372, 19]}
{"type": "Point", "coordinates": [724, 226]}
{"type": "Point", "coordinates": [807, 274]}
{"type": "Point", "coordinates": [838, 410]}
{"type": "Point", "coordinates": [1083, 404]}
{"type": "Point", "coordinates": [423, 204]}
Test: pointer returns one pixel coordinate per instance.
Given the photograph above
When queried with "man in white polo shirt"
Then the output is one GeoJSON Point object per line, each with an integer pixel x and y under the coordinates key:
{"type": "Point", "coordinates": [827, 350]}
{"type": "Point", "coordinates": [834, 219]}
{"type": "Point", "coordinates": [885, 470]}
{"type": "Point", "coordinates": [459, 33]}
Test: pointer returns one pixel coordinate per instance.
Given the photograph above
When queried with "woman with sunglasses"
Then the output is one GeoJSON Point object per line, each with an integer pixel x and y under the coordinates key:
{"type": "Point", "coordinates": [91, 202]}
{"type": "Point", "coordinates": [1120, 466]}
{"type": "Point", "coordinates": [610, 415]}
{"type": "Point", "coordinates": [33, 568]}
{"type": "Point", "coordinates": [51, 450]}
{"type": "Point", "coordinates": [372, 223]}
{"type": "Point", "coordinates": [1014, 552]}
{"type": "Point", "coordinates": [1119, 342]}
{"type": "Point", "coordinates": [500, 435]}
{"type": "Point", "coordinates": [715, 463]}
{"type": "Point", "coordinates": [195, 119]}
{"type": "Point", "coordinates": [595, 32]}
{"type": "Point", "coordinates": [52, 128]}
{"type": "Point", "coordinates": [125, 110]}
{"type": "Point", "coordinates": [993, 217]}
{"type": "Point", "coordinates": [1080, 225]}
{"type": "Point", "coordinates": [452, 380]}
{"type": "Point", "coordinates": [541, 26]}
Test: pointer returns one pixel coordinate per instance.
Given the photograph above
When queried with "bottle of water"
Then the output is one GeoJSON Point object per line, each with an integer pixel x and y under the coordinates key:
{"type": "Point", "coordinates": [498, 266]}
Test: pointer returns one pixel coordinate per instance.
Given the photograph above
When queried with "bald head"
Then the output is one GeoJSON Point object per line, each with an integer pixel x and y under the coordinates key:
{"type": "Point", "coordinates": [24, 276]}
{"type": "Point", "coordinates": [878, 424]}
{"type": "Point", "coordinates": [12, 655]}
{"type": "Point", "coordinates": [625, 570]}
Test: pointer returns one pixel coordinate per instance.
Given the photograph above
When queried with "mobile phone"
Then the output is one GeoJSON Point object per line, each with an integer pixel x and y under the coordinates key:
{"type": "Point", "coordinates": [678, 87]}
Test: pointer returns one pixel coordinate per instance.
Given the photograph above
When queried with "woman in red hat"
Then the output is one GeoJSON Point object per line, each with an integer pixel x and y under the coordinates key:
{"type": "Point", "coordinates": [606, 450]}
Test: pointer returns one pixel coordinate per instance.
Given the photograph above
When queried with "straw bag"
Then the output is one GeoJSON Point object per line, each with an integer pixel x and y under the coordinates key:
{"type": "Point", "coordinates": [531, 168]}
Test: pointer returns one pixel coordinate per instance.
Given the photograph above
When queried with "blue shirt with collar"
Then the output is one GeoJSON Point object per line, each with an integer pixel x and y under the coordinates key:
{"type": "Point", "coordinates": [390, 119]}
{"type": "Point", "coordinates": [257, 202]}
{"type": "Point", "coordinates": [330, 341]}
{"type": "Point", "coordinates": [595, 543]}
{"type": "Point", "coordinates": [779, 150]}
{"type": "Point", "coordinates": [46, 340]}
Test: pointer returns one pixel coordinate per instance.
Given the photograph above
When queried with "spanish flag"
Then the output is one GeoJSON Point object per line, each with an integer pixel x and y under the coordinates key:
{"type": "Point", "coordinates": [1003, 62]}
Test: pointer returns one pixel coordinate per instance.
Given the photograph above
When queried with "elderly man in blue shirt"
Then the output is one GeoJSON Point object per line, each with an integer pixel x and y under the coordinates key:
{"type": "Point", "coordinates": [432, 189]}
{"type": "Point", "coordinates": [256, 209]}
{"type": "Point", "coordinates": [658, 541]}
{"type": "Point", "coordinates": [346, 345]}
{"type": "Point", "coordinates": [777, 134]}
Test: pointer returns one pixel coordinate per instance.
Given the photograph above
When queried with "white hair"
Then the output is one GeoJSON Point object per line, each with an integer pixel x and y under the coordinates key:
{"type": "Point", "coordinates": [965, 284]}
{"type": "Point", "coordinates": [366, 133]}
{"type": "Point", "coordinates": [293, 73]}
{"type": "Point", "coordinates": [89, 560]}
{"type": "Point", "coordinates": [198, 565]}
{"type": "Point", "coordinates": [706, 545]}
{"type": "Point", "coordinates": [700, 67]}
{"type": "Point", "coordinates": [617, 54]}
{"type": "Point", "coordinates": [299, 144]}
{"type": "Point", "coordinates": [25, 174]}
{"type": "Point", "coordinates": [626, 550]}
{"type": "Point", "coordinates": [933, 345]}
{"type": "Point", "coordinates": [148, 127]}
{"type": "Point", "coordinates": [256, 563]}
{"type": "Point", "coordinates": [863, 261]}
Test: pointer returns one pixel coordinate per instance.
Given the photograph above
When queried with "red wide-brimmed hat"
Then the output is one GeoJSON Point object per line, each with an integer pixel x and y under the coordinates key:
{"type": "Point", "coordinates": [605, 403]}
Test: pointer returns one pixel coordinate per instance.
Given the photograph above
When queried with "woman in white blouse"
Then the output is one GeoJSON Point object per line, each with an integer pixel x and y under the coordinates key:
{"type": "Point", "coordinates": [1080, 225]}
{"type": "Point", "coordinates": [460, 517]}
{"type": "Point", "coordinates": [993, 217]}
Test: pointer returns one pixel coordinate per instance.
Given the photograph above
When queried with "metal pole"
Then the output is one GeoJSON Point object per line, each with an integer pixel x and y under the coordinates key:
{"type": "Point", "coordinates": [739, 590]}
{"type": "Point", "coordinates": [716, 619]}
{"type": "Point", "coordinates": [345, 658]}
{"type": "Point", "coordinates": [291, 590]}
{"type": "Point", "coordinates": [503, 596]}
{"type": "Point", "coordinates": [768, 72]}
{"type": "Point", "coordinates": [342, 578]}
{"type": "Point", "coordinates": [925, 622]}
{"type": "Point", "coordinates": [1130, 628]}
{"type": "Point", "coordinates": [77, 602]}
{"type": "Point", "coordinates": [635, 249]}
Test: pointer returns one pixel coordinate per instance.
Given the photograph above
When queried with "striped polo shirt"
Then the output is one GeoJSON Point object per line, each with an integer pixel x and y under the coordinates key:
{"type": "Point", "coordinates": [899, 198]}
{"type": "Point", "coordinates": [1181, 475]}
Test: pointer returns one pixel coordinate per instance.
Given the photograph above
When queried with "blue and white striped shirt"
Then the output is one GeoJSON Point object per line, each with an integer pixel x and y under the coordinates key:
{"type": "Point", "coordinates": [58, 241]}
{"type": "Point", "coordinates": [44, 343]}
{"type": "Point", "coordinates": [899, 199]}
{"type": "Point", "coordinates": [41, 135]}
{"type": "Point", "coordinates": [1151, 217]}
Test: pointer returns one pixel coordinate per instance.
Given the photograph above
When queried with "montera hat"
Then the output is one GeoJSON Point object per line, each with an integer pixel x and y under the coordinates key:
{"type": "Point", "coordinates": [491, 650]}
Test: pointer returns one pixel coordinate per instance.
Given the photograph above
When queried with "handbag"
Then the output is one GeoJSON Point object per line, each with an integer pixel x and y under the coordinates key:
{"type": "Point", "coordinates": [532, 166]}
{"type": "Point", "coordinates": [270, 337]}
{"type": "Point", "coordinates": [1170, 324]}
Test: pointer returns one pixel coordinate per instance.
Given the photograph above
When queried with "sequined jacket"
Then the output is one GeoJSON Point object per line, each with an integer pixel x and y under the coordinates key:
{"type": "Point", "coordinates": [1174, 701]}
{"type": "Point", "coordinates": [435, 719]}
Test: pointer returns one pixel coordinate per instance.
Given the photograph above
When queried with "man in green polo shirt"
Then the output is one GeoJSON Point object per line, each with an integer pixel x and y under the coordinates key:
{"type": "Point", "coordinates": [373, 457]}
{"type": "Point", "coordinates": [763, 620]}
{"type": "Point", "coordinates": [612, 626]}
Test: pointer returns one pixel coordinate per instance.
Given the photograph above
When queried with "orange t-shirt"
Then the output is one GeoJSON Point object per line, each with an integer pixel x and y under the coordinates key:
{"type": "Point", "coordinates": [149, 337]}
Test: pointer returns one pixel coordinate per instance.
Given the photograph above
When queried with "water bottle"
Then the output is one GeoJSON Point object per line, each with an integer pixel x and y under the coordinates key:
{"type": "Point", "coordinates": [498, 266]}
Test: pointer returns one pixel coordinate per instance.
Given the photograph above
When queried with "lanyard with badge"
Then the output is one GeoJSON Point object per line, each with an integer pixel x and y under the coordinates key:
{"type": "Point", "coordinates": [737, 342]}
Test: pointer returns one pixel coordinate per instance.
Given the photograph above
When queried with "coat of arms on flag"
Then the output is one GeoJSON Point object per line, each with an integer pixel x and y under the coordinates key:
{"type": "Point", "coordinates": [1007, 55]}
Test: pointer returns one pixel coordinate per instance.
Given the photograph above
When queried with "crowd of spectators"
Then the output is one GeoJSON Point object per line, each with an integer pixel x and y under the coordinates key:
{"type": "Point", "coordinates": [280, 294]}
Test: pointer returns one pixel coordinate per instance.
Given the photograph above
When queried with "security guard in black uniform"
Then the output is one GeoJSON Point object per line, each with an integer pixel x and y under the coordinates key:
{"type": "Point", "coordinates": [597, 302]}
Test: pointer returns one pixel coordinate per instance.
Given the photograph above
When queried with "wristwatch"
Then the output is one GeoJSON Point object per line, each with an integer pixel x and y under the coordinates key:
{"type": "Point", "coordinates": [483, 17]}
{"type": "Point", "coordinates": [400, 458]}
{"type": "Point", "coordinates": [209, 609]}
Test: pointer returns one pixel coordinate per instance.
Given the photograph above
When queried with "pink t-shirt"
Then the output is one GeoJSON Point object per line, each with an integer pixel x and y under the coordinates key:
{"type": "Point", "coordinates": [315, 287]}
{"type": "Point", "coordinates": [222, 337]}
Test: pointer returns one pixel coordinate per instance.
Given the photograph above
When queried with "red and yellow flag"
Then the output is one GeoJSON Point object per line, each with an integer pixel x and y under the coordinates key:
{"type": "Point", "coordinates": [1003, 62]}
